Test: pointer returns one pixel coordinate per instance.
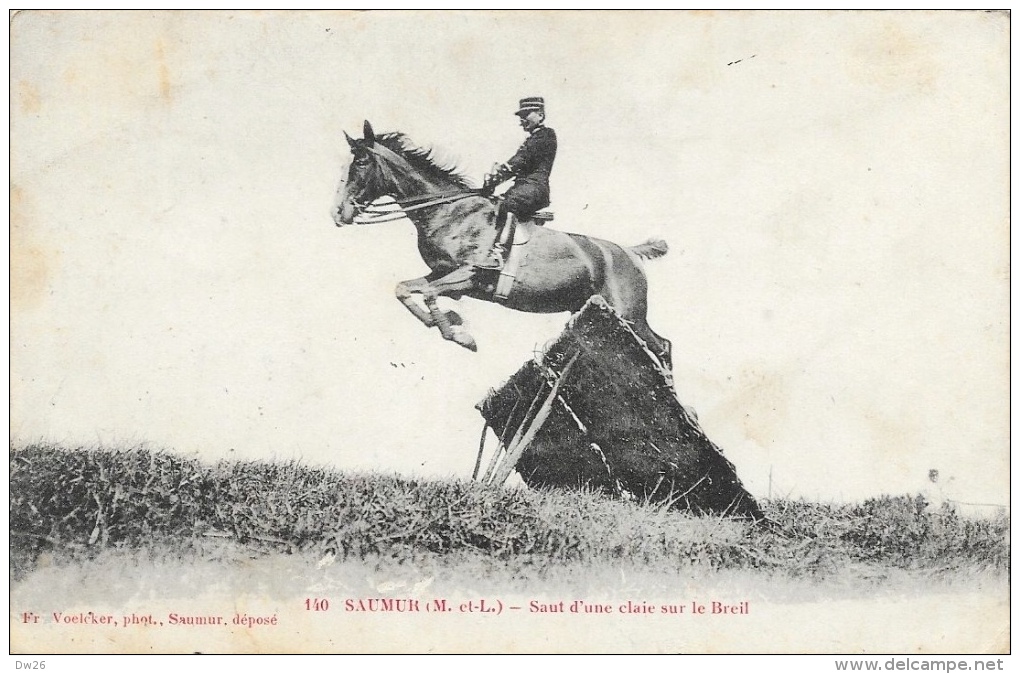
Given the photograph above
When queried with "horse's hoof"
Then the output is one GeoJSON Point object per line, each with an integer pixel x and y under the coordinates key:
{"type": "Point", "coordinates": [453, 317]}
{"type": "Point", "coordinates": [465, 340]}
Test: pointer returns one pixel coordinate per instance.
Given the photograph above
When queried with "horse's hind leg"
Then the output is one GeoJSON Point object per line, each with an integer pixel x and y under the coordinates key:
{"type": "Point", "coordinates": [659, 345]}
{"type": "Point", "coordinates": [625, 287]}
{"type": "Point", "coordinates": [665, 350]}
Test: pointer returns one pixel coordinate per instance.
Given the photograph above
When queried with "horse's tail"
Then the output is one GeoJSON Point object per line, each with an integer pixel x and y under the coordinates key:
{"type": "Point", "coordinates": [650, 249]}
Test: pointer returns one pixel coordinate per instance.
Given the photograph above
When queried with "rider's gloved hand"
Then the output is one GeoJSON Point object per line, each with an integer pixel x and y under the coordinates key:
{"type": "Point", "coordinates": [499, 173]}
{"type": "Point", "coordinates": [488, 184]}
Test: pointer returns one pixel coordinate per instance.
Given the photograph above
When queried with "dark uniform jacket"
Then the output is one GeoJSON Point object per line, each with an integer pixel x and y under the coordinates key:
{"type": "Point", "coordinates": [530, 168]}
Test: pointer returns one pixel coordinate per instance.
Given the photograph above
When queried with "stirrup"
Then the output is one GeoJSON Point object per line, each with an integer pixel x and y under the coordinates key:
{"type": "Point", "coordinates": [494, 262]}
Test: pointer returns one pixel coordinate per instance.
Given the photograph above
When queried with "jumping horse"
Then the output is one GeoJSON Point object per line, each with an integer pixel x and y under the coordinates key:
{"type": "Point", "coordinates": [456, 229]}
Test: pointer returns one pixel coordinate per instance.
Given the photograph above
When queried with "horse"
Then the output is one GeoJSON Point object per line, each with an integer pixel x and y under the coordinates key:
{"type": "Point", "coordinates": [456, 226]}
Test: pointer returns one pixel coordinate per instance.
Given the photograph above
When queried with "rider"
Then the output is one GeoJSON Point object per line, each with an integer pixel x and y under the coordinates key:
{"type": "Point", "coordinates": [530, 168]}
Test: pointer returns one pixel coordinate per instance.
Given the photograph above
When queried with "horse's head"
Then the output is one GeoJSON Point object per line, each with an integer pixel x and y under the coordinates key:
{"type": "Point", "coordinates": [390, 165]}
{"type": "Point", "coordinates": [363, 183]}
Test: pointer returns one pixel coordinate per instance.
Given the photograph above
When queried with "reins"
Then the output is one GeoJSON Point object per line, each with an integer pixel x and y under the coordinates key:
{"type": "Point", "coordinates": [405, 206]}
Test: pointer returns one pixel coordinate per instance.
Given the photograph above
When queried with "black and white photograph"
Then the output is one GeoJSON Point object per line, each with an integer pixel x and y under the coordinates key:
{"type": "Point", "coordinates": [511, 332]}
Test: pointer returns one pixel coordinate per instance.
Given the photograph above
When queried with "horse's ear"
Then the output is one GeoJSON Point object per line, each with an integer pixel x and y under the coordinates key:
{"type": "Point", "coordinates": [350, 141]}
{"type": "Point", "coordinates": [369, 134]}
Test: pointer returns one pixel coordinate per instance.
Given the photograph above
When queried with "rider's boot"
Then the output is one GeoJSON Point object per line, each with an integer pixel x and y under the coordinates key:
{"type": "Point", "coordinates": [497, 256]}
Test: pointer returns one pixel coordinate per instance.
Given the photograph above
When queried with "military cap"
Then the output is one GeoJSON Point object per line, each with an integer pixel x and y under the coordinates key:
{"type": "Point", "coordinates": [531, 104]}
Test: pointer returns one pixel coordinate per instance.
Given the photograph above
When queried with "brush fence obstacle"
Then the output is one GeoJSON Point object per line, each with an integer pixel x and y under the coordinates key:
{"type": "Point", "coordinates": [597, 411]}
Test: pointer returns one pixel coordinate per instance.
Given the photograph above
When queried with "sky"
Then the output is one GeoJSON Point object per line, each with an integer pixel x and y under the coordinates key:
{"type": "Point", "coordinates": [833, 186]}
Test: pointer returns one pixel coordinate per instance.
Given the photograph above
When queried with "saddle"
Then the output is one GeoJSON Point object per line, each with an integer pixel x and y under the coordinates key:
{"type": "Point", "coordinates": [520, 233]}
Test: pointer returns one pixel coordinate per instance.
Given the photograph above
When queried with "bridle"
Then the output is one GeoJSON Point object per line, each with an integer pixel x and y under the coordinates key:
{"type": "Point", "coordinates": [384, 212]}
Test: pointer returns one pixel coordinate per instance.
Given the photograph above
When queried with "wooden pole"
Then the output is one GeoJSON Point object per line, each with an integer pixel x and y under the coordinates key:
{"type": "Point", "coordinates": [481, 448]}
{"type": "Point", "coordinates": [494, 461]}
{"type": "Point", "coordinates": [514, 451]}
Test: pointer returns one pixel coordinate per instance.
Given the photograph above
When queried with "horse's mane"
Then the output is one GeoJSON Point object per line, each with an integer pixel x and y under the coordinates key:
{"type": "Point", "coordinates": [422, 159]}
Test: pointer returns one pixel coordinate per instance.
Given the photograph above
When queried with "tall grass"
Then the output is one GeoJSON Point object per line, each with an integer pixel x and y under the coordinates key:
{"type": "Point", "coordinates": [78, 502]}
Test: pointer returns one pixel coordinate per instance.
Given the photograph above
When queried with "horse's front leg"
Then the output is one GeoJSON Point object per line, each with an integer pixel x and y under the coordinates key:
{"type": "Point", "coordinates": [457, 282]}
{"type": "Point", "coordinates": [404, 291]}
{"type": "Point", "coordinates": [420, 286]}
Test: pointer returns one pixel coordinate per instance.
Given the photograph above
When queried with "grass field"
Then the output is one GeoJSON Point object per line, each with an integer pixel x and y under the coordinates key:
{"type": "Point", "coordinates": [82, 507]}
